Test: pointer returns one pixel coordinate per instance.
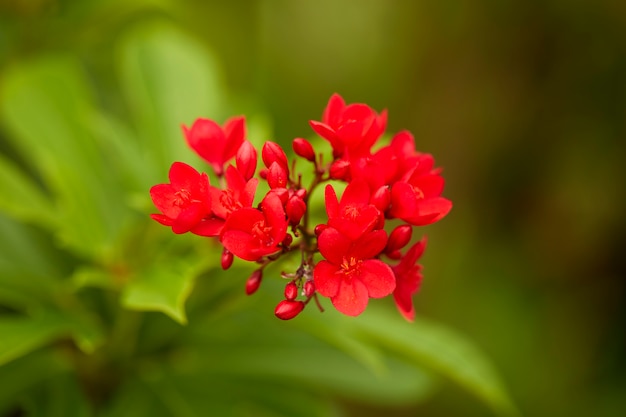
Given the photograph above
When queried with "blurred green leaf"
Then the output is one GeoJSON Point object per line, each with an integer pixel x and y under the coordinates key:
{"type": "Point", "coordinates": [169, 79]}
{"type": "Point", "coordinates": [20, 375]}
{"type": "Point", "coordinates": [29, 273]}
{"type": "Point", "coordinates": [21, 198]}
{"type": "Point", "coordinates": [438, 348]}
{"type": "Point", "coordinates": [48, 106]}
{"type": "Point", "coordinates": [21, 335]}
{"type": "Point", "coordinates": [163, 287]}
{"type": "Point", "coordinates": [60, 396]}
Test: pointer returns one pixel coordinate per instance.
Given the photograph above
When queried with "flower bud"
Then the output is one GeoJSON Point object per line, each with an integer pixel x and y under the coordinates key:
{"type": "Point", "coordinates": [277, 176]}
{"type": "Point", "coordinates": [398, 238]}
{"type": "Point", "coordinates": [287, 309]}
{"type": "Point", "coordinates": [282, 194]}
{"type": "Point", "coordinates": [381, 198]}
{"type": "Point", "coordinates": [253, 283]}
{"type": "Point", "coordinates": [340, 170]}
{"type": "Point", "coordinates": [263, 173]}
{"type": "Point", "coordinates": [291, 291]}
{"type": "Point", "coordinates": [303, 148]}
{"type": "Point", "coordinates": [309, 288]}
{"type": "Point", "coordinates": [295, 210]}
{"type": "Point", "coordinates": [227, 259]}
{"type": "Point", "coordinates": [272, 152]}
{"type": "Point", "coordinates": [246, 159]}
{"type": "Point", "coordinates": [319, 229]}
{"type": "Point", "coordinates": [287, 240]}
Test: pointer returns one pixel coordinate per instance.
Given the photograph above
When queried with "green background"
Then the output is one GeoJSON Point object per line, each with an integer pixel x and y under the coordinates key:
{"type": "Point", "coordinates": [523, 103]}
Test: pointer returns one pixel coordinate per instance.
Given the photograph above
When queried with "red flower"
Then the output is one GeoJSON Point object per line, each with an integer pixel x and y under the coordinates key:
{"type": "Point", "coordinates": [353, 215]}
{"type": "Point", "coordinates": [351, 129]}
{"type": "Point", "coordinates": [215, 144]}
{"type": "Point", "coordinates": [418, 200]}
{"type": "Point", "coordinates": [349, 275]}
{"type": "Point", "coordinates": [408, 279]}
{"type": "Point", "coordinates": [185, 202]}
{"type": "Point", "coordinates": [250, 233]}
{"type": "Point", "coordinates": [238, 194]}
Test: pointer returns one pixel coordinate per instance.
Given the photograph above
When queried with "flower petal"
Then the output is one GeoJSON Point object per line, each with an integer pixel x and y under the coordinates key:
{"type": "Point", "coordinates": [352, 297]}
{"type": "Point", "coordinates": [378, 278]}
{"type": "Point", "coordinates": [333, 245]}
{"type": "Point", "coordinates": [327, 278]}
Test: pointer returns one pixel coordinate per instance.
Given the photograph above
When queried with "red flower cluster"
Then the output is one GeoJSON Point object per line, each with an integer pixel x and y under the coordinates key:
{"type": "Point", "coordinates": [393, 184]}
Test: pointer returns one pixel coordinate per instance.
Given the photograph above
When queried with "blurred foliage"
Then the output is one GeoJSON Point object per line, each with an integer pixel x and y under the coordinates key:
{"type": "Point", "coordinates": [523, 103]}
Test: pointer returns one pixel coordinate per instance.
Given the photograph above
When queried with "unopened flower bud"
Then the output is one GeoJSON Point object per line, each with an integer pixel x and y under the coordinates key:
{"type": "Point", "coordinates": [253, 283]}
{"type": "Point", "coordinates": [303, 148]}
{"type": "Point", "coordinates": [381, 198]}
{"type": "Point", "coordinates": [282, 194]}
{"type": "Point", "coordinates": [227, 259]}
{"type": "Point", "coordinates": [272, 152]}
{"type": "Point", "coordinates": [319, 229]}
{"type": "Point", "coordinates": [246, 159]}
{"type": "Point", "coordinates": [301, 193]}
{"type": "Point", "coordinates": [287, 240]}
{"type": "Point", "coordinates": [340, 170]}
{"type": "Point", "coordinates": [309, 288]}
{"type": "Point", "coordinates": [277, 176]}
{"type": "Point", "coordinates": [399, 238]}
{"type": "Point", "coordinates": [295, 209]}
{"type": "Point", "coordinates": [291, 291]}
{"type": "Point", "coordinates": [288, 309]}
{"type": "Point", "coordinates": [263, 173]}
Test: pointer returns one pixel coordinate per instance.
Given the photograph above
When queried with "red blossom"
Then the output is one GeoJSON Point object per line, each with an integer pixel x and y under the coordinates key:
{"type": "Point", "coordinates": [184, 203]}
{"type": "Point", "coordinates": [351, 129]}
{"type": "Point", "coordinates": [215, 144]}
{"type": "Point", "coordinates": [250, 233]}
{"type": "Point", "coordinates": [238, 193]}
{"type": "Point", "coordinates": [349, 275]}
{"type": "Point", "coordinates": [353, 215]}
{"type": "Point", "coordinates": [408, 279]}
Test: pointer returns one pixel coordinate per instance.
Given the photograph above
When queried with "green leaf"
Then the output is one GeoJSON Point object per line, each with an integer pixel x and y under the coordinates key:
{"type": "Point", "coordinates": [21, 198]}
{"type": "Point", "coordinates": [169, 79]}
{"type": "Point", "coordinates": [163, 287]}
{"type": "Point", "coordinates": [438, 348]}
{"type": "Point", "coordinates": [21, 335]}
{"type": "Point", "coordinates": [19, 376]}
{"type": "Point", "coordinates": [48, 107]}
{"type": "Point", "coordinates": [60, 396]}
{"type": "Point", "coordinates": [29, 273]}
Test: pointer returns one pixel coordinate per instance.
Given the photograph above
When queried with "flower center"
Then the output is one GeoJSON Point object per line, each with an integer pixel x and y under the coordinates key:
{"type": "Point", "coordinates": [262, 232]}
{"type": "Point", "coordinates": [351, 212]}
{"type": "Point", "coordinates": [182, 197]}
{"type": "Point", "coordinates": [351, 266]}
{"type": "Point", "coordinates": [229, 202]}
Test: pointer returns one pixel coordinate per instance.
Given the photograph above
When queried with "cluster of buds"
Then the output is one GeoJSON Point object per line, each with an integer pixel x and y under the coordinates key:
{"type": "Point", "coordinates": [349, 258]}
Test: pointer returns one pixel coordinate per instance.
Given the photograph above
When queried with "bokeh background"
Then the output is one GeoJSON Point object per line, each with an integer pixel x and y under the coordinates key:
{"type": "Point", "coordinates": [522, 102]}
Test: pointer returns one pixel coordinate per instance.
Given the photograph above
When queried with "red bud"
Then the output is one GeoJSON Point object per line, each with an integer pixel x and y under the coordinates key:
{"type": "Point", "coordinates": [399, 238]}
{"type": "Point", "coordinates": [272, 152]}
{"type": "Point", "coordinates": [227, 259]}
{"type": "Point", "coordinates": [295, 209]}
{"type": "Point", "coordinates": [253, 283]}
{"type": "Point", "coordinates": [303, 148]}
{"type": "Point", "coordinates": [246, 160]}
{"type": "Point", "coordinates": [340, 170]}
{"type": "Point", "coordinates": [309, 288]}
{"type": "Point", "coordinates": [291, 291]}
{"type": "Point", "coordinates": [277, 176]}
{"type": "Point", "coordinates": [287, 240]}
{"type": "Point", "coordinates": [287, 309]}
{"type": "Point", "coordinates": [320, 228]}
{"type": "Point", "coordinates": [381, 198]}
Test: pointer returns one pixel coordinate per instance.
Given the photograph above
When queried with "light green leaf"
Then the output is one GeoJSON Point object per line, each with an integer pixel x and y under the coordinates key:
{"type": "Point", "coordinates": [48, 107]}
{"type": "Point", "coordinates": [21, 335]}
{"type": "Point", "coordinates": [169, 79]}
{"type": "Point", "coordinates": [163, 287]}
{"type": "Point", "coordinates": [438, 348]}
{"type": "Point", "coordinates": [21, 198]}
